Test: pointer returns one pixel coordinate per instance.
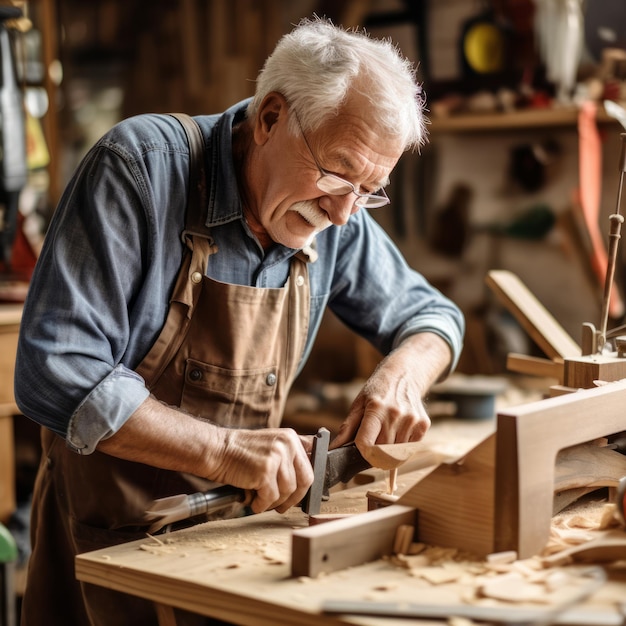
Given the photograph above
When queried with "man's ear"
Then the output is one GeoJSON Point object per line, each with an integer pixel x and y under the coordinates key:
{"type": "Point", "coordinates": [273, 109]}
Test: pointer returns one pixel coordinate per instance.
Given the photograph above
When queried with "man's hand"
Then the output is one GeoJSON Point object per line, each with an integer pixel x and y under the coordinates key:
{"type": "Point", "coordinates": [390, 408]}
{"type": "Point", "coordinates": [272, 463]}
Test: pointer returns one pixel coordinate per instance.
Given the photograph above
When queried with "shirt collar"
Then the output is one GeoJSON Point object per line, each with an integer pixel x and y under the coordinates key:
{"type": "Point", "coordinates": [224, 202]}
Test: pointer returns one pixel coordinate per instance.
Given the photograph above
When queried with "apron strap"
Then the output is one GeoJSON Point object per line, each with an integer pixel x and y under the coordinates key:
{"type": "Point", "coordinates": [197, 196]}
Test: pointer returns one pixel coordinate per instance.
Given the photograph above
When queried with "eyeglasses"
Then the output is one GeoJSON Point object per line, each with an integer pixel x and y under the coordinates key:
{"type": "Point", "coordinates": [337, 186]}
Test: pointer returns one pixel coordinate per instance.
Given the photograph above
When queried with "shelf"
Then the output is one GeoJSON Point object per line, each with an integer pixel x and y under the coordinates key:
{"type": "Point", "coordinates": [527, 118]}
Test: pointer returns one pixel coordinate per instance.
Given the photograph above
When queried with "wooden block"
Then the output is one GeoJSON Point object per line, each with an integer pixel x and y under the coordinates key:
{"type": "Point", "coordinates": [379, 499]}
{"type": "Point", "coordinates": [580, 372]}
{"type": "Point", "coordinates": [346, 542]}
{"type": "Point", "coordinates": [534, 318]}
{"type": "Point", "coordinates": [456, 502]}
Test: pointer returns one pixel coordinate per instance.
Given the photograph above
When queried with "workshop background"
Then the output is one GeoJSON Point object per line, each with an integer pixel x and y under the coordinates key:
{"type": "Point", "coordinates": [509, 83]}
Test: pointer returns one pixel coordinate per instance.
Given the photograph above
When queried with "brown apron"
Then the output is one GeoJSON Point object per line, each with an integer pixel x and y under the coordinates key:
{"type": "Point", "coordinates": [227, 353]}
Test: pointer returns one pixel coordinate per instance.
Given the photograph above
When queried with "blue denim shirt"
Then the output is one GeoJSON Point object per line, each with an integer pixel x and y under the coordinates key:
{"type": "Point", "coordinates": [99, 294]}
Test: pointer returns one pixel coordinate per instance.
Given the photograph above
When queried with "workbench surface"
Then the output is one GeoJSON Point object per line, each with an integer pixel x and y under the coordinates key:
{"type": "Point", "coordinates": [240, 571]}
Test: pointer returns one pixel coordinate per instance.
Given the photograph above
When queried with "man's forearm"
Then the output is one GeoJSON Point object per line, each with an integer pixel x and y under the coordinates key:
{"type": "Point", "coordinates": [426, 357]}
{"type": "Point", "coordinates": [168, 438]}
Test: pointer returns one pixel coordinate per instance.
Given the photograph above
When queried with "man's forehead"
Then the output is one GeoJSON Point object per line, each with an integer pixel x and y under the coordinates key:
{"type": "Point", "coordinates": [349, 161]}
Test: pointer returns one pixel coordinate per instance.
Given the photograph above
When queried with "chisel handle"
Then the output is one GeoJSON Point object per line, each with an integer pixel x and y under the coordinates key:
{"type": "Point", "coordinates": [215, 499]}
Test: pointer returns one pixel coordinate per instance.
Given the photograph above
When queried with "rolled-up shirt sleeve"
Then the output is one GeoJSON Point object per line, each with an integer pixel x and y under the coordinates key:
{"type": "Point", "coordinates": [105, 410]}
{"type": "Point", "coordinates": [99, 294]}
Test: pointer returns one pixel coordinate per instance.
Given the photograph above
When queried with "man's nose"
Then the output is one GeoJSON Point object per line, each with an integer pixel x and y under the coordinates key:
{"type": "Point", "coordinates": [341, 208]}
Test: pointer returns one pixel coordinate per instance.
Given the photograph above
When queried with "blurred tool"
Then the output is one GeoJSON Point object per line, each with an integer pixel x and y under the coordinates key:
{"type": "Point", "coordinates": [616, 111]}
{"type": "Point", "coordinates": [13, 168]}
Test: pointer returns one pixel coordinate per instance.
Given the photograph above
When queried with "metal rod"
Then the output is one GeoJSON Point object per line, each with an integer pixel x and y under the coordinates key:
{"type": "Point", "coordinates": [616, 221]}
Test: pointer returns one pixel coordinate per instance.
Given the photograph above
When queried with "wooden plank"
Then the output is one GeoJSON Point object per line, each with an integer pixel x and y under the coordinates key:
{"type": "Point", "coordinates": [534, 318]}
{"type": "Point", "coordinates": [529, 438]}
{"type": "Point", "coordinates": [519, 119]}
{"type": "Point", "coordinates": [346, 542]}
{"type": "Point", "coordinates": [534, 366]}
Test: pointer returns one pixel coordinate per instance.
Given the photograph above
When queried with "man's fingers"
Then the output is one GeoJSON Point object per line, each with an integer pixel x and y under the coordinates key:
{"type": "Point", "coordinates": [287, 483]}
{"type": "Point", "coordinates": [307, 442]}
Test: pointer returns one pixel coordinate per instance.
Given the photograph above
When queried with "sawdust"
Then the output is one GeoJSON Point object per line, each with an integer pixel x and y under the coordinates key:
{"type": "Point", "coordinates": [570, 529]}
{"type": "Point", "coordinates": [499, 577]}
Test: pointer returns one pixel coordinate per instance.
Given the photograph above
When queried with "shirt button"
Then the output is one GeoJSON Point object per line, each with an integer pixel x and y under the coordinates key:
{"type": "Point", "coordinates": [195, 375]}
{"type": "Point", "coordinates": [270, 381]}
{"type": "Point", "coordinates": [300, 281]}
{"type": "Point", "coordinates": [196, 277]}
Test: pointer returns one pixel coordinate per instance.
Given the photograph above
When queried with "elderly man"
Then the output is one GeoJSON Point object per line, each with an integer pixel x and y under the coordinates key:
{"type": "Point", "coordinates": [167, 319]}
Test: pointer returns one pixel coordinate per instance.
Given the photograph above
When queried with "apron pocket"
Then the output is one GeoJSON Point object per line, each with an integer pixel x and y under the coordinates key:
{"type": "Point", "coordinates": [233, 398]}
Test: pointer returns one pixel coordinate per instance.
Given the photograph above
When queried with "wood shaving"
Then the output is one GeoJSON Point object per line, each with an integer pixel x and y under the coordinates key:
{"type": "Point", "coordinates": [416, 548]}
{"type": "Point", "coordinates": [156, 549]}
{"type": "Point", "coordinates": [513, 587]}
{"type": "Point", "coordinates": [460, 621]}
{"type": "Point", "coordinates": [502, 557]}
{"type": "Point", "coordinates": [609, 517]}
{"type": "Point", "coordinates": [412, 562]}
{"type": "Point", "coordinates": [274, 556]}
{"type": "Point", "coordinates": [403, 538]}
{"type": "Point", "coordinates": [437, 575]}
{"type": "Point", "coordinates": [393, 481]}
{"type": "Point", "coordinates": [155, 539]}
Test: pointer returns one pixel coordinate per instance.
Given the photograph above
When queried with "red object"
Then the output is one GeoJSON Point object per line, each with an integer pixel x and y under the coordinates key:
{"type": "Point", "coordinates": [590, 180]}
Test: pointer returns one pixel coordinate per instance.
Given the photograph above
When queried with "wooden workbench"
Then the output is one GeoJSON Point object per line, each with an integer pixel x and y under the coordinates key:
{"type": "Point", "coordinates": [239, 571]}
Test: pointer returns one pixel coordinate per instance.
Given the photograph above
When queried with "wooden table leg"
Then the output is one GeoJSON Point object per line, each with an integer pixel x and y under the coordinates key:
{"type": "Point", "coordinates": [165, 614]}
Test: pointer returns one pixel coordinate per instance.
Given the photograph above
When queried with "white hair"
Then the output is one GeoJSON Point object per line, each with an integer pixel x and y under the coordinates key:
{"type": "Point", "coordinates": [318, 65]}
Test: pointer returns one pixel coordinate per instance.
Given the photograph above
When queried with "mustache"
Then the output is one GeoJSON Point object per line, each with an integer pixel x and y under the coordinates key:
{"type": "Point", "coordinates": [309, 210]}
